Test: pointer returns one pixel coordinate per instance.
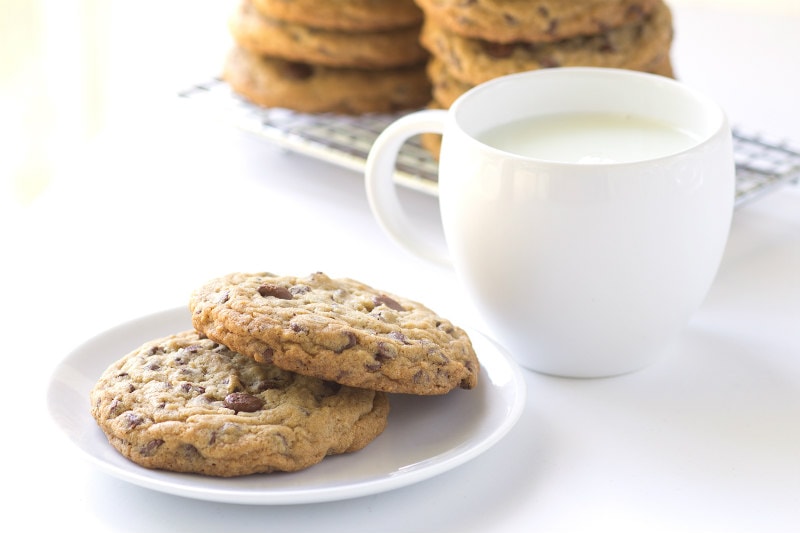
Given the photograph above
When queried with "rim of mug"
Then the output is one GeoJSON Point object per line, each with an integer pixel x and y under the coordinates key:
{"type": "Point", "coordinates": [721, 126]}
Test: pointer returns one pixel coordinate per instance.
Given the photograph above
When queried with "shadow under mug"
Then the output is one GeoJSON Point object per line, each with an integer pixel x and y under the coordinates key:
{"type": "Point", "coordinates": [579, 269]}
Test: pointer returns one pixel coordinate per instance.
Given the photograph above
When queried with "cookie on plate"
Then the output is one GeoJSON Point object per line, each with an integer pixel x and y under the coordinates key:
{"type": "Point", "coordinates": [336, 329]}
{"type": "Point", "coordinates": [473, 61]}
{"type": "Point", "coordinates": [297, 42]}
{"type": "Point", "coordinates": [506, 21]}
{"type": "Point", "coordinates": [345, 15]}
{"type": "Point", "coordinates": [185, 403]}
{"type": "Point", "coordinates": [273, 82]}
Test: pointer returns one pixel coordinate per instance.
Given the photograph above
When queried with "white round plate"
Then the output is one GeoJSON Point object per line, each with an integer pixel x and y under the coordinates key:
{"type": "Point", "coordinates": [425, 435]}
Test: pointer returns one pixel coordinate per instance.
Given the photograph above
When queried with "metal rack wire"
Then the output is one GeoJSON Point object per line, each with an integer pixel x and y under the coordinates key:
{"type": "Point", "coordinates": [762, 165]}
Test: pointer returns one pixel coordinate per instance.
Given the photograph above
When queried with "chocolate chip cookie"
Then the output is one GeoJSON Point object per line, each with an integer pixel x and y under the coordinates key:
{"type": "Point", "coordinates": [506, 21]}
{"type": "Point", "coordinates": [338, 330]}
{"type": "Point", "coordinates": [473, 61]}
{"type": "Point", "coordinates": [446, 88]}
{"type": "Point", "coordinates": [185, 403]}
{"type": "Point", "coordinates": [308, 88]}
{"type": "Point", "coordinates": [296, 42]}
{"type": "Point", "coordinates": [345, 15]}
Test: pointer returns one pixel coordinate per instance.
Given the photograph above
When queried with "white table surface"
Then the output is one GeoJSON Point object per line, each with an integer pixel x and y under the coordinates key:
{"type": "Point", "coordinates": [707, 439]}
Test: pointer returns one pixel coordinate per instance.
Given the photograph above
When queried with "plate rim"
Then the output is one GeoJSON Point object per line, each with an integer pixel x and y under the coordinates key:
{"type": "Point", "coordinates": [498, 360]}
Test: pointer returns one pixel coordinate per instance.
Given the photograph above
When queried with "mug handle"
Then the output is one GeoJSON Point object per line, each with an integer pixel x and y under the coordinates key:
{"type": "Point", "coordinates": [379, 180]}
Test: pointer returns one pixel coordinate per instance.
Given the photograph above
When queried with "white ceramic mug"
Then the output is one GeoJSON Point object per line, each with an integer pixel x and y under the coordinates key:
{"type": "Point", "coordinates": [587, 267]}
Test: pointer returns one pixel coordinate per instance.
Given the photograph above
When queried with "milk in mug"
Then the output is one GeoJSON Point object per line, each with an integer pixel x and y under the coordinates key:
{"type": "Point", "coordinates": [590, 138]}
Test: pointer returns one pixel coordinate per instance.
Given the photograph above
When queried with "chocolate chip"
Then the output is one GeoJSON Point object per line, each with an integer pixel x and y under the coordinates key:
{"type": "Point", "coordinates": [112, 409]}
{"type": "Point", "coordinates": [298, 328]}
{"type": "Point", "coordinates": [188, 387]}
{"type": "Point", "coordinates": [133, 420]}
{"type": "Point", "coordinates": [388, 302]}
{"type": "Point", "coordinates": [549, 62]}
{"type": "Point", "coordinates": [271, 383]}
{"type": "Point", "coordinates": [297, 71]}
{"type": "Point", "coordinates": [386, 352]}
{"type": "Point", "coordinates": [151, 447]}
{"type": "Point", "coordinates": [190, 452]}
{"type": "Point", "coordinates": [266, 355]}
{"type": "Point", "coordinates": [276, 291]}
{"type": "Point", "coordinates": [243, 402]}
{"type": "Point", "coordinates": [636, 11]}
{"type": "Point", "coordinates": [498, 50]}
{"type": "Point", "coordinates": [398, 336]}
{"type": "Point", "coordinates": [328, 389]}
{"type": "Point", "coordinates": [420, 378]}
{"type": "Point", "coordinates": [350, 341]}
{"type": "Point", "coordinates": [607, 46]}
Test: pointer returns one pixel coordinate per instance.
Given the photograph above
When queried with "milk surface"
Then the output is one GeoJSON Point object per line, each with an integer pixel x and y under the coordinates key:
{"type": "Point", "coordinates": [589, 138]}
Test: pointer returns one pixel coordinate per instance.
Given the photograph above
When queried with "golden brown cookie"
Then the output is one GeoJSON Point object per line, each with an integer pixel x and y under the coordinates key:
{"type": "Point", "coordinates": [185, 403]}
{"type": "Point", "coordinates": [473, 61]}
{"type": "Point", "coordinates": [295, 42]}
{"type": "Point", "coordinates": [345, 15]}
{"type": "Point", "coordinates": [309, 88]}
{"type": "Point", "coordinates": [506, 21]}
{"type": "Point", "coordinates": [446, 88]}
{"type": "Point", "coordinates": [338, 330]}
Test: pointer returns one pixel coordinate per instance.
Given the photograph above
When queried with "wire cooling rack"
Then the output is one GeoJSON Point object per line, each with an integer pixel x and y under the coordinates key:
{"type": "Point", "coordinates": [761, 165]}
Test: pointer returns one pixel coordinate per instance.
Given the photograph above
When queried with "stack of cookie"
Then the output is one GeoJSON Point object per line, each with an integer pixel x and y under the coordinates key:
{"type": "Point", "coordinates": [278, 373]}
{"type": "Point", "coordinates": [473, 42]}
{"type": "Point", "coordinates": [343, 56]}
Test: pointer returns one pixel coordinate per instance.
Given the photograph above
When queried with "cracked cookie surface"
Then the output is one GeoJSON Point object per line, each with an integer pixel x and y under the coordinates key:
{"type": "Point", "coordinates": [540, 21]}
{"type": "Point", "coordinates": [185, 403]}
{"type": "Point", "coordinates": [272, 82]}
{"type": "Point", "coordinates": [336, 329]}
{"type": "Point", "coordinates": [344, 15]}
{"type": "Point", "coordinates": [640, 46]}
{"type": "Point", "coordinates": [295, 42]}
{"type": "Point", "coordinates": [446, 88]}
